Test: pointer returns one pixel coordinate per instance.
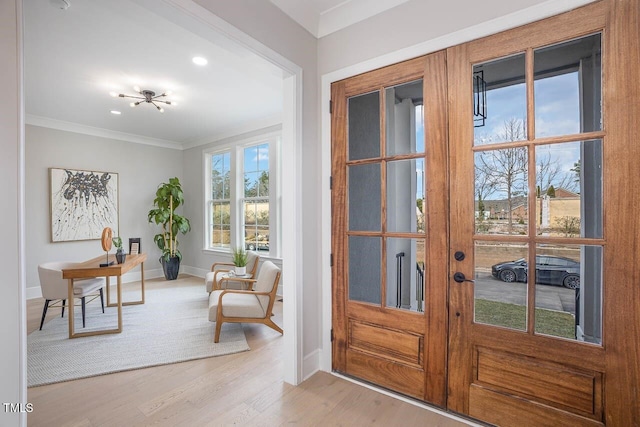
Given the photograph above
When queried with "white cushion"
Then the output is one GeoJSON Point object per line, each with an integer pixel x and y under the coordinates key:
{"type": "Point", "coordinates": [235, 305]}
{"type": "Point", "coordinates": [87, 286]}
{"type": "Point", "coordinates": [208, 281]}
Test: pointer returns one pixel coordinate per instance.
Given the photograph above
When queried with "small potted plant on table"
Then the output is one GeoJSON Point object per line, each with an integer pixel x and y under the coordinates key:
{"type": "Point", "coordinates": [239, 261]}
{"type": "Point", "coordinates": [120, 255]}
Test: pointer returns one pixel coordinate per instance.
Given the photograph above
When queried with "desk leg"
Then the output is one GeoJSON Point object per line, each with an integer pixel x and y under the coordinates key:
{"type": "Point", "coordinates": [119, 303]}
{"type": "Point", "coordinates": [142, 279]}
{"type": "Point", "coordinates": [137, 302]}
{"type": "Point", "coordinates": [108, 286]}
{"type": "Point", "coordinates": [70, 305]}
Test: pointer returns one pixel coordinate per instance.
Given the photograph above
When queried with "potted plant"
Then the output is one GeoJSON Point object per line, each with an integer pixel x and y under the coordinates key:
{"type": "Point", "coordinates": [169, 197]}
{"type": "Point", "coordinates": [120, 256]}
{"type": "Point", "coordinates": [240, 261]}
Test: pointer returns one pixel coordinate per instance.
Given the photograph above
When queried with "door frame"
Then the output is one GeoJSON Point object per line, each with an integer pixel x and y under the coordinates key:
{"type": "Point", "coordinates": [621, 306]}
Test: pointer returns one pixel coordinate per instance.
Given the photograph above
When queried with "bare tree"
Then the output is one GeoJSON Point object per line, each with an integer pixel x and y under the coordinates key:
{"type": "Point", "coordinates": [505, 170]}
{"type": "Point", "coordinates": [549, 173]}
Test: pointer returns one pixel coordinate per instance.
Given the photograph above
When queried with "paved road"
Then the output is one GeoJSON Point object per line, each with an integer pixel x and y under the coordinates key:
{"type": "Point", "coordinates": [550, 297]}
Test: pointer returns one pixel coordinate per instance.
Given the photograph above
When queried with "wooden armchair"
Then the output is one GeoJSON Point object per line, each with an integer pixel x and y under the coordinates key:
{"type": "Point", "coordinates": [247, 306]}
{"type": "Point", "coordinates": [221, 270]}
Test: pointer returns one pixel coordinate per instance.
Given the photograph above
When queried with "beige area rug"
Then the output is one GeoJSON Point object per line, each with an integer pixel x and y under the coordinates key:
{"type": "Point", "coordinates": [172, 326]}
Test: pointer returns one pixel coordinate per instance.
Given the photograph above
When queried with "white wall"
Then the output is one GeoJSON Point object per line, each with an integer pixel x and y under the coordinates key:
{"type": "Point", "coordinates": [140, 169]}
{"type": "Point", "coordinates": [269, 25]}
{"type": "Point", "coordinates": [12, 304]}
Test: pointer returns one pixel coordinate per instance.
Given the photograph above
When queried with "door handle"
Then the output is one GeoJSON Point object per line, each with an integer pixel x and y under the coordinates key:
{"type": "Point", "coordinates": [460, 277]}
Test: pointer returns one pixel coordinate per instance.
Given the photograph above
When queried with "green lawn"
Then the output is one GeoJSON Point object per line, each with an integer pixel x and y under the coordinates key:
{"type": "Point", "coordinates": [548, 322]}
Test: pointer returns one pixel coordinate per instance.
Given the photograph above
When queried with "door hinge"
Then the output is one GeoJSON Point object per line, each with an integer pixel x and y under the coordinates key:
{"type": "Point", "coordinates": [330, 183]}
{"type": "Point", "coordinates": [330, 107]}
{"type": "Point", "coordinates": [332, 337]}
{"type": "Point", "coordinates": [331, 260]}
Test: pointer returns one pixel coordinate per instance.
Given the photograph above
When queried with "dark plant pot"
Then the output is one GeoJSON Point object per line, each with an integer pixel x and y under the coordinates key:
{"type": "Point", "coordinates": [171, 267]}
{"type": "Point", "coordinates": [120, 257]}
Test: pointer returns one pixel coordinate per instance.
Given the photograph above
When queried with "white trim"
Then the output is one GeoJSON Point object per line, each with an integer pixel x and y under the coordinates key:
{"type": "Point", "coordinates": [311, 363]}
{"type": "Point", "coordinates": [291, 214]}
{"type": "Point", "coordinates": [22, 223]}
{"type": "Point", "coordinates": [351, 12]}
{"type": "Point", "coordinates": [521, 17]}
{"type": "Point", "coordinates": [253, 126]}
{"type": "Point", "coordinates": [104, 133]}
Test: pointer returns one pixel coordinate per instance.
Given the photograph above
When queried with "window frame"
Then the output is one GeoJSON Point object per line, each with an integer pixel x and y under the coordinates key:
{"type": "Point", "coordinates": [236, 150]}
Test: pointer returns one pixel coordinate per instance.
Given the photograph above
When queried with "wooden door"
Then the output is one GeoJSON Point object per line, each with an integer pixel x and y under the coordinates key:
{"type": "Point", "coordinates": [525, 232]}
{"type": "Point", "coordinates": [389, 213]}
{"type": "Point", "coordinates": [536, 337]}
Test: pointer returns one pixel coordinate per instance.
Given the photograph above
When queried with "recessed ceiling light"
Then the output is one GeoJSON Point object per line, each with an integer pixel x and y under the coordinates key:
{"type": "Point", "coordinates": [117, 113]}
{"type": "Point", "coordinates": [199, 60]}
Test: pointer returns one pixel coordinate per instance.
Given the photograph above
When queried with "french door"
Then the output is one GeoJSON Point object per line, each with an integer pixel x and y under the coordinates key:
{"type": "Point", "coordinates": [389, 219]}
{"type": "Point", "coordinates": [484, 214]}
{"type": "Point", "coordinates": [526, 148]}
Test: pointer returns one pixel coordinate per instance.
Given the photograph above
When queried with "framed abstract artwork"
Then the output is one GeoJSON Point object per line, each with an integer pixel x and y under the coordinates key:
{"type": "Point", "coordinates": [83, 203]}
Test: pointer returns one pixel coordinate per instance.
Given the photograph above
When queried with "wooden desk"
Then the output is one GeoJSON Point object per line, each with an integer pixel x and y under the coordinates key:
{"type": "Point", "coordinates": [92, 268]}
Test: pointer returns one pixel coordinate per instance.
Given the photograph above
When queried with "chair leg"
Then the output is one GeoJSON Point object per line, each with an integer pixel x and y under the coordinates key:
{"type": "Point", "coordinates": [44, 312]}
{"type": "Point", "coordinates": [270, 323]}
{"type": "Point", "coordinates": [83, 305]}
{"type": "Point", "coordinates": [218, 326]}
{"type": "Point", "coordinates": [64, 302]}
{"type": "Point", "coordinates": [102, 300]}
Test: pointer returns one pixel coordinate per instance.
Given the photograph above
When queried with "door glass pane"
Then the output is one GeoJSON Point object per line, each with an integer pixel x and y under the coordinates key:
{"type": "Point", "coordinates": [364, 126]}
{"type": "Point", "coordinates": [364, 197]}
{"type": "Point", "coordinates": [500, 101]}
{"type": "Point", "coordinates": [404, 119]}
{"type": "Point", "coordinates": [569, 189]}
{"type": "Point", "coordinates": [501, 284]}
{"type": "Point", "coordinates": [405, 195]}
{"type": "Point", "coordinates": [569, 292]}
{"type": "Point", "coordinates": [501, 191]}
{"type": "Point", "coordinates": [405, 274]}
{"type": "Point", "coordinates": [567, 88]}
{"type": "Point", "coordinates": [365, 277]}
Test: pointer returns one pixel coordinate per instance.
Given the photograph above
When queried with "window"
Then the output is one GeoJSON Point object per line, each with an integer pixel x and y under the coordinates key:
{"type": "Point", "coordinates": [220, 203]}
{"type": "Point", "coordinates": [256, 197]}
{"type": "Point", "coordinates": [242, 196]}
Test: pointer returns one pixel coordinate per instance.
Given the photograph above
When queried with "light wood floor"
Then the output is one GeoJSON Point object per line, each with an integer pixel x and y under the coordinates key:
{"type": "Point", "coordinates": [240, 389]}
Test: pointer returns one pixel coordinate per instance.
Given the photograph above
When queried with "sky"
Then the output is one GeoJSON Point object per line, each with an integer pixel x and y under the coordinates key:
{"type": "Point", "coordinates": [557, 112]}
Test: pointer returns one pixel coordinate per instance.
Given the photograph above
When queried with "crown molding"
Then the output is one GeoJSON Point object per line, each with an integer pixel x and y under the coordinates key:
{"type": "Point", "coordinates": [104, 133]}
{"type": "Point", "coordinates": [255, 125]}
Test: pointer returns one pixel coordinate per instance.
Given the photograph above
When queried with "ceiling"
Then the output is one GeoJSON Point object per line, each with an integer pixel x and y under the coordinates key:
{"type": "Point", "coordinates": [74, 58]}
{"type": "Point", "coordinates": [323, 17]}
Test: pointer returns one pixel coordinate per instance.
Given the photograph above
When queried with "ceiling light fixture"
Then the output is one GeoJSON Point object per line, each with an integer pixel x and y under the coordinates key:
{"type": "Point", "coordinates": [148, 96]}
{"type": "Point", "coordinates": [115, 112]}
